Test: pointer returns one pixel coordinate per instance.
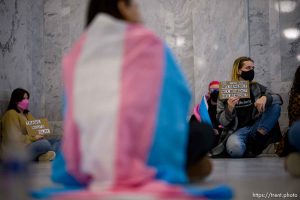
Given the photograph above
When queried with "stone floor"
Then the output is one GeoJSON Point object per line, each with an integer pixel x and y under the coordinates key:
{"type": "Point", "coordinates": [252, 177]}
{"type": "Point", "coordinates": [249, 177]}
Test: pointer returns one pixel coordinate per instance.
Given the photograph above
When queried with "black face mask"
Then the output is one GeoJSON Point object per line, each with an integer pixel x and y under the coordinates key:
{"type": "Point", "coordinates": [214, 95]}
{"type": "Point", "coordinates": [248, 76]}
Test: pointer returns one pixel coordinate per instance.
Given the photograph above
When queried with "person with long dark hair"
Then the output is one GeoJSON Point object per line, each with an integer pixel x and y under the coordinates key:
{"type": "Point", "coordinates": [292, 162]}
{"type": "Point", "coordinates": [127, 102]}
{"type": "Point", "coordinates": [14, 133]}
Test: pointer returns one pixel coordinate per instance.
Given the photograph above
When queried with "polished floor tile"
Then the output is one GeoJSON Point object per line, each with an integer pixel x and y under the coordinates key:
{"type": "Point", "coordinates": [250, 178]}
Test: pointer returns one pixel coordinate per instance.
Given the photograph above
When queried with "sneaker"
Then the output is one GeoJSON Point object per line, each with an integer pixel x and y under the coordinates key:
{"type": "Point", "coordinates": [292, 164]}
{"type": "Point", "coordinates": [200, 169]}
{"type": "Point", "coordinates": [49, 156]}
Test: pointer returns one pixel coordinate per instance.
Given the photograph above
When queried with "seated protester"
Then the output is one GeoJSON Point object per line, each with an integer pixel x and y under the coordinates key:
{"type": "Point", "coordinates": [292, 162]}
{"type": "Point", "coordinates": [126, 137]}
{"type": "Point", "coordinates": [211, 99]}
{"type": "Point", "coordinates": [285, 147]}
{"type": "Point", "coordinates": [250, 120]}
{"type": "Point", "coordinates": [292, 142]}
{"type": "Point", "coordinates": [14, 133]}
{"type": "Point", "coordinates": [212, 106]}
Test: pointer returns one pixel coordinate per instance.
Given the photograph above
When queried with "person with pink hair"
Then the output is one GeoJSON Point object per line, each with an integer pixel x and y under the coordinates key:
{"type": "Point", "coordinates": [206, 110]}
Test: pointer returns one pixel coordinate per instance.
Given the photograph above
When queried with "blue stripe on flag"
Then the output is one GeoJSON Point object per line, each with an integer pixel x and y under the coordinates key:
{"type": "Point", "coordinates": [203, 111]}
{"type": "Point", "coordinates": [168, 151]}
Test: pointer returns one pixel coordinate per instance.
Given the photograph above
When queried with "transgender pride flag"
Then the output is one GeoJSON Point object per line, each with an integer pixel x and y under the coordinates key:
{"type": "Point", "coordinates": [125, 129]}
{"type": "Point", "coordinates": [201, 111]}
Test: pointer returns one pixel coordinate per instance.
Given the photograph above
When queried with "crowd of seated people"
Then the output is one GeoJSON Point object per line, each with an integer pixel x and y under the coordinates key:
{"type": "Point", "coordinates": [244, 127]}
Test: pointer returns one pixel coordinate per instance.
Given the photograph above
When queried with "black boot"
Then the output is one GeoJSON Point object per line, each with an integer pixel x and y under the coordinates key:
{"type": "Point", "coordinates": [256, 144]}
{"type": "Point", "coordinates": [200, 141]}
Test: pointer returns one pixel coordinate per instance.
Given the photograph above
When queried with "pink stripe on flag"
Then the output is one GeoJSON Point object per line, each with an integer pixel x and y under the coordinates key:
{"type": "Point", "coordinates": [196, 112]}
{"type": "Point", "coordinates": [70, 142]}
{"type": "Point", "coordinates": [141, 80]}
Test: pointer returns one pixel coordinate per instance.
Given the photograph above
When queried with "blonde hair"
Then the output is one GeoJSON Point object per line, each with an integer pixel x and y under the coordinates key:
{"type": "Point", "coordinates": [238, 64]}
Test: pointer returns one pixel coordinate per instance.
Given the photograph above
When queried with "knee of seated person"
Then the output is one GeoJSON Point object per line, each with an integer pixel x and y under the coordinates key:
{"type": "Point", "coordinates": [43, 144]}
{"type": "Point", "coordinates": [276, 107]}
{"type": "Point", "coordinates": [234, 147]}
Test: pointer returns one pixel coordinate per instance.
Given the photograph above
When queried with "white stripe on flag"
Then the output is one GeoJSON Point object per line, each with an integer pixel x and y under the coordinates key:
{"type": "Point", "coordinates": [96, 98]}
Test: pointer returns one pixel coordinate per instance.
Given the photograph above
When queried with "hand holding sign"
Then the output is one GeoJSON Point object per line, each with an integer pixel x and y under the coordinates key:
{"type": "Point", "coordinates": [38, 137]}
{"type": "Point", "coordinates": [232, 101]}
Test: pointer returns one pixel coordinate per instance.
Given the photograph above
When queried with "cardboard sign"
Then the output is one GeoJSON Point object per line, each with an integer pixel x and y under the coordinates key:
{"type": "Point", "coordinates": [234, 89]}
{"type": "Point", "coordinates": [37, 126]}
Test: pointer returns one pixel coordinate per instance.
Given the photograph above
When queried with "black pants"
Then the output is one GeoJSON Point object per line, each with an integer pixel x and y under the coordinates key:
{"type": "Point", "coordinates": [200, 141]}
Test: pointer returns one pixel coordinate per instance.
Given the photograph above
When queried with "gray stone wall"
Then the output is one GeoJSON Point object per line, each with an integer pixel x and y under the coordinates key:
{"type": "Point", "coordinates": [21, 55]}
{"type": "Point", "coordinates": [173, 22]}
{"type": "Point", "coordinates": [206, 36]}
{"type": "Point", "coordinates": [33, 38]}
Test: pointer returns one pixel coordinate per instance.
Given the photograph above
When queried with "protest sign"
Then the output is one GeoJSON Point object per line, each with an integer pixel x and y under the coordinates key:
{"type": "Point", "coordinates": [234, 89]}
{"type": "Point", "coordinates": [38, 126]}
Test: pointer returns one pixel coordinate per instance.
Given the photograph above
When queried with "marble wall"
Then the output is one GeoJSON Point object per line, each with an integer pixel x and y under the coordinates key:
{"type": "Point", "coordinates": [175, 27]}
{"type": "Point", "coordinates": [275, 55]}
{"type": "Point", "coordinates": [220, 36]}
{"type": "Point", "coordinates": [206, 36]}
{"type": "Point", "coordinates": [34, 36]}
{"type": "Point", "coordinates": [289, 53]}
{"type": "Point", "coordinates": [21, 55]}
{"type": "Point", "coordinates": [63, 23]}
